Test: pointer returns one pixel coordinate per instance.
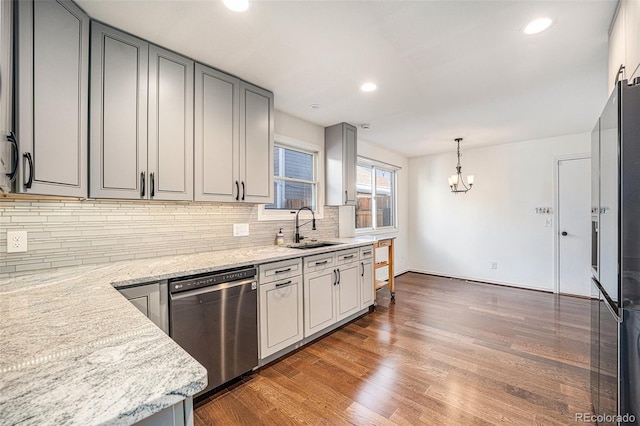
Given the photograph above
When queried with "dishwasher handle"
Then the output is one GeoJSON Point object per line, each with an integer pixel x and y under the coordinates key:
{"type": "Point", "coordinates": [214, 288]}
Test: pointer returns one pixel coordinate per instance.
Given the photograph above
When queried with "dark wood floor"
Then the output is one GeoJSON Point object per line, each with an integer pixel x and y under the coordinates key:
{"type": "Point", "coordinates": [448, 352]}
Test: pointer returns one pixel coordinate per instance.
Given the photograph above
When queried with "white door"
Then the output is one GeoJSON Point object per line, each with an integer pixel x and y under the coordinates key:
{"type": "Point", "coordinates": [574, 226]}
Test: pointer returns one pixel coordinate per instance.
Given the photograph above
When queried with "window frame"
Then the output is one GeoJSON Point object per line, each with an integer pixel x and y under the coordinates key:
{"type": "Point", "coordinates": [265, 214]}
{"type": "Point", "coordinates": [378, 165]}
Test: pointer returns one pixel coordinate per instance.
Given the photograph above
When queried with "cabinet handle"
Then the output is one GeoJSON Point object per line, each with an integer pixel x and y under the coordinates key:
{"type": "Point", "coordinates": [348, 257]}
{"type": "Point", "coordinates": [142, 184]}
{"type": "Point", "coordinates": [620, 72]}
{"type": "Point", "coordinates": [322, 263]}
{"type": "Point", "coordinates": [366, 253]}
{"type": "Point", "coordinates": [346, 197]}
{"type": "Point", "coordinates": [283, 284]}
{"type": "Point", "coordinates": [282, 271]}
{"type": "Point", "coordinates": [242, 190]}
{"type": "Point", "coordinates": [335, 277]}
{"type": "Point", "coordinates": [362, 265]}
{"type": "Point", "coordinates": [28, 183]}
{"type": "Point", "coordinates": [237, 191]}
{"type": "Point", "coordinates": [11, 138]}
{"type": "Point", "coordinates": [153, 184]}
{"type": "Point", "coordinates": [338, 276]}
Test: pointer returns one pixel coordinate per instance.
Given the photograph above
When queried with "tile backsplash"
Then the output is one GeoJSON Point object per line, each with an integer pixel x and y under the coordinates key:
{"type": "Point", "coordinates": [73, 232]}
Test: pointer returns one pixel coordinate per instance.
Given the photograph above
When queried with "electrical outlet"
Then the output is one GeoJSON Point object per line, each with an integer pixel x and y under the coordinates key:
{"type": "Point", "coordinates": [548, 222]}
{"type": "Point", "coordinates": [494, 265]}
{"type": "Point", "coordinates": [16, 241]}
{"type": "Point", "coordinates": [240, 229]}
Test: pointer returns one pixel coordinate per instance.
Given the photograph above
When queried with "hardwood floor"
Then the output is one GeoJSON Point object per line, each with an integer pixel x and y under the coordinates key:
{"type": "Point", "coordinates": [448, 352]}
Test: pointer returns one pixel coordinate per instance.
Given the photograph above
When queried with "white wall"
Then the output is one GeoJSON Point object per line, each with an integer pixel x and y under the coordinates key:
{"type": "Point", "coordinates": [401, 244]}
{"type": "Point", "coordinates": [295, 128]}
{"type": "Point", "coordinates": [459, 235]}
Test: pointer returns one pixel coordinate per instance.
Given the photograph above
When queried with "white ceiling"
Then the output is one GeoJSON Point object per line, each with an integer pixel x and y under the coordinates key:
{"type": "Point", "coordinates": [444, 69]}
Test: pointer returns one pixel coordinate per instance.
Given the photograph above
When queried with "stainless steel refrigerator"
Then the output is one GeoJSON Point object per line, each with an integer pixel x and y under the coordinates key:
{"type": "Point", "coordinates": [615, 213]}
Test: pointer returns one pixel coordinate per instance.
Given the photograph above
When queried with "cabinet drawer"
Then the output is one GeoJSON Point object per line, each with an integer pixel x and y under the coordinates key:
{"type": "Point", "coordinates": [270, 272]}
{"type": "Point", "coordinates": [347, 256]}
{"type": "Point", "coordinates": [319, 262]}
{"type": "Point", "coordinates": [366, 252]}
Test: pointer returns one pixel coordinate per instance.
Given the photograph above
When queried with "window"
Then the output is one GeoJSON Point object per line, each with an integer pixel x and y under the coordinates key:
{"type": "Point", "coordinates": [295, 179]}
{"type": "Point", "coordinates": [375, 195]}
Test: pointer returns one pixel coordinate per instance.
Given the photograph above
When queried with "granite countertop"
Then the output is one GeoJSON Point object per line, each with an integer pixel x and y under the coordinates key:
{"type": "Point", "coordinates": [75, 351]}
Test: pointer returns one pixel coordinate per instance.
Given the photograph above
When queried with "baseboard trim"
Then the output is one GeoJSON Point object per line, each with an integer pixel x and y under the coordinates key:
{"type": "Point", "coordinates": [481, 281]}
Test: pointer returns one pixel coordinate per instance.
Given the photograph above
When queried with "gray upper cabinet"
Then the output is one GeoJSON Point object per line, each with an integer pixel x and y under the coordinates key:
{"type": "Point", "coordinates": [170, 147]}
{"type": "Point", "coordinates": [341, 151]}
{"type": "Point", "coordinates": [119, 64]}
{"type": "Point", "coordinates": [217, 140]}
{"type": "Point", "coordinates": [256, 144]}
{"type": "Point", "coordinates": [141, 119]}
{"type": "Point", "coordinates": [52, 97]}
{"type": "Point", "coordinates": [233, 139]}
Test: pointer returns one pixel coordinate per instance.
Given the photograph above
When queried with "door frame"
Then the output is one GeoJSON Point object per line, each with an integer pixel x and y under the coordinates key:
{"type": "Point", "coordinates": [556, 216]}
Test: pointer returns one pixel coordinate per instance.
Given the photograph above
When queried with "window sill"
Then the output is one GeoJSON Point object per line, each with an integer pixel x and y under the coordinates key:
{"type": "Point", "coordinates": [265, 215]}
{"type": "Point", "coordinates": [380, 231]}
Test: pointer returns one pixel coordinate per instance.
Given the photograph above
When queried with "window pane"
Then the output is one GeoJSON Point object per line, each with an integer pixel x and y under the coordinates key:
{"type": "Point", "coordinates": [384, 198]}
{"type": "Point", "coordinates": [292, 164]}
{"type": "Point", "coordinates": [292, 195]}
{"type": "Point", "coordinates": [363, 198]}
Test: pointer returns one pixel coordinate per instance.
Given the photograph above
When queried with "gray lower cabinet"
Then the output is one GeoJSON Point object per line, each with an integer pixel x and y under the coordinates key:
{"type": "Point", "coordinates": [141, 119]}
{"type": "Point", "coordinates": [341, 152]}
{"type": "Point", "coordinates": [152, 300]}
{"type": "Point", "coordinates": [233, 139]}
{"type": "Point", "coordinates": [180, 414]}
{"type": "Point", "coordinates": [52, 60]}
{"type": "Point", "coordinates": [319, 289]}
{"type": "Point", "coordinates": [280, 306]}
{"type": "Point", "coordinates": [367, 285]}
{"type": "Point", "coordinates": [347, 288]}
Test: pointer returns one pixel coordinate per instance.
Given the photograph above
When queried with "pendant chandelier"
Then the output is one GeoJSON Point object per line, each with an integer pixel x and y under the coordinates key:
{"type": "Point", "coordinates": [456, 182]}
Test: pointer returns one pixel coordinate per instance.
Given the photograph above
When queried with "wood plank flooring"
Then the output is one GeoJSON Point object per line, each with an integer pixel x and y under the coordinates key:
{"type": "Point", "coordinates": [448, 352]}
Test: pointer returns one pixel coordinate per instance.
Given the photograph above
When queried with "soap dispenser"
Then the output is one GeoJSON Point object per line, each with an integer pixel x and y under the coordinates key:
{"type": "Point", "coordinates": [280, 238]}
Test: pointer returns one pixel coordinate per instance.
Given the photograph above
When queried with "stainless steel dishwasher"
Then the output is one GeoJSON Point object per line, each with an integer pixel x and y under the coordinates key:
{"type": "Point", "coordinates": [214, 318]}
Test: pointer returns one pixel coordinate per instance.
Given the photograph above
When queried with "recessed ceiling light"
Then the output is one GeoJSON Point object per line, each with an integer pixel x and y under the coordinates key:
{"type": "Point", "coordinates": [314, 106]}
{"type": "Point", "coordinates": [368, 87]}
{"type": "Point", "coordinates": [237, 5]}
{"type": "Point", "coordinates": [537, 26]}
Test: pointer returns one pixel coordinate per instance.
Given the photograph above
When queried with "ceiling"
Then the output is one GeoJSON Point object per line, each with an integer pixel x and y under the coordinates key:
{"type": "Point", "coordinates": [444, 69]}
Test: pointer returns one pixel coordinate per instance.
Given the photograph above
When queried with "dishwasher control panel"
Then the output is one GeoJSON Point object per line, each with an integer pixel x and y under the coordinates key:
{"type": "Point", "coordinates": [223, 277]}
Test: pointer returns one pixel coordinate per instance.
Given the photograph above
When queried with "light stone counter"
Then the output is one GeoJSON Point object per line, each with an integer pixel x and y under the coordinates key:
{"type": "Point", "coordinates": [74, 351]}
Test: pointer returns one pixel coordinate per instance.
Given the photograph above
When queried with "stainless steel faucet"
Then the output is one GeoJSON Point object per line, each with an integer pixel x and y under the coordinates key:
{"type": "Point", "coordinates": [313, 223]}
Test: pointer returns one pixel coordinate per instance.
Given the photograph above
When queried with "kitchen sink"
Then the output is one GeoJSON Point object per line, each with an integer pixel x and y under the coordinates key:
{"type": "Point", "coordinates": [312, 245]}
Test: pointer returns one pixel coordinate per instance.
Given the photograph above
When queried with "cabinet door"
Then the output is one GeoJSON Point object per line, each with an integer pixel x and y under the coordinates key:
{"type": "Point", "coordinates": [118, 115]}
{"type": "Point", "coordinates": [319, 305]}
{"type": "Point", "coordinates": [170, 145]}
{"type": "Point", "coordinates": [348, 290]}
{"type": "Point", "coordinates": [52, 96]}
{"type": "Point", "coordinates": [256, 144]}
{"type": "Point", "coordinates": [148, 299]}
{"type": "Point", "coordinates": [281, 322]}
{"type": "Point", "coordinates": [349, 156]}
{"type": "Point", "coordinates": [366, 283]}
{"type": "Point", "coordinates": [217, 143]}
